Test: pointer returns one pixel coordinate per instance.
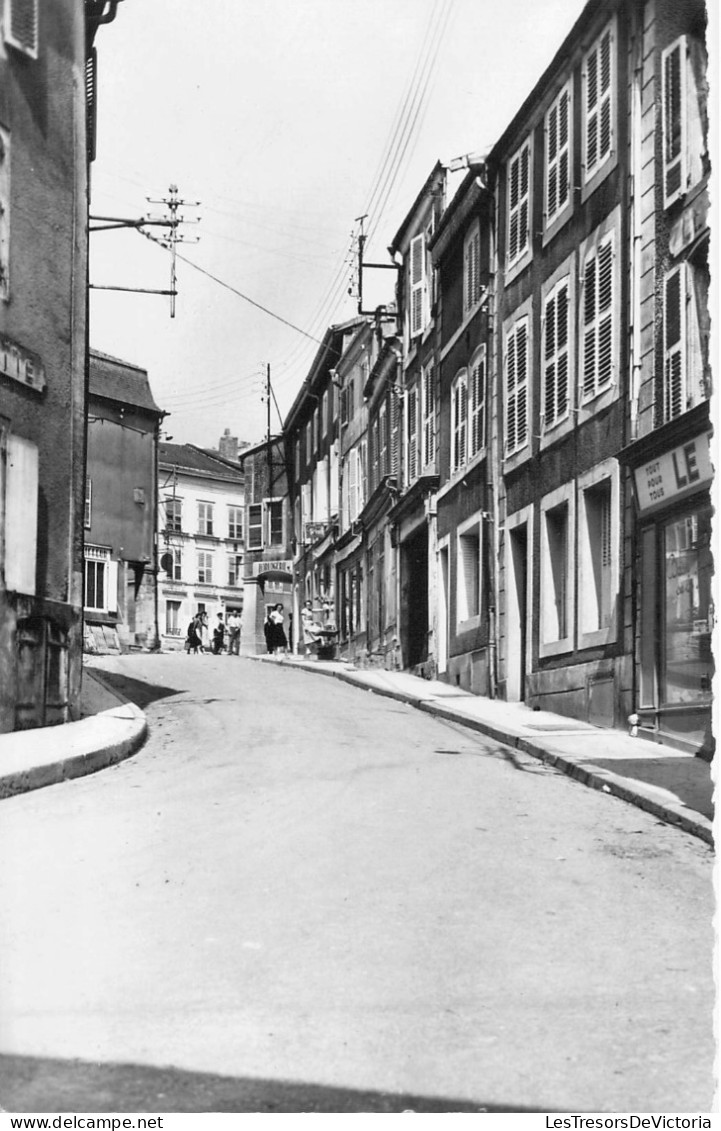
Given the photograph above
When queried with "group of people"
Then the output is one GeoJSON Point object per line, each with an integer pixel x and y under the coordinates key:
{"type": "Point", "coordinates": [197, 639]}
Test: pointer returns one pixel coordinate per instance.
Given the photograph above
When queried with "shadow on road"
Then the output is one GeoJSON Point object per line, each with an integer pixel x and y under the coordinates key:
{"type": "Point", "coordinates": [136, 690]}
{"type": "Point", "coordinates": [31, 1084]}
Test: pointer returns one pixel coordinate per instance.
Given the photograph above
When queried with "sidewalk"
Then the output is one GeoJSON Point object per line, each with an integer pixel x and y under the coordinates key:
{"type": "Point", "coordinates": [676, 787]}
{"type": "Point", "coordinates": [110, 729]}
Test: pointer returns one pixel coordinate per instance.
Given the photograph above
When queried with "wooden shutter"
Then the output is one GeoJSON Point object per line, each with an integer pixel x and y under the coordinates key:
{"type": "Point", "coordinates": [418, 278]}
{"type": "Point", "coordinates": [598, 338]}
{"type": "Point", "coordinates": [517, 387]}
{"type": "Point", "coordinates": [21, 26]}
{"type": "Point", "coordinates": [412, 433]}
{"type": "Point", "coordinates": [91, 102]}
{"type": "Point", "coordinates": [555, 356]}
{"type": "Point", "coordinates": [429, 417]}
{"type": "Point", "coordinates": [518, 202]}
{"type": "Point", "coordinates": [472, 269]}
{"type": "Point", "coordinates": [460, 420]}
{"type": "Point", "coordinates": [674, 121]}
{"type": "Point", "coordinates": [558, 141]}
{"type": "Point", "coordinates": [598, 76]}
{"type": "Point", "coordinates": [674, 359]}
{"type": "Point", "coordinates": [478, 402]}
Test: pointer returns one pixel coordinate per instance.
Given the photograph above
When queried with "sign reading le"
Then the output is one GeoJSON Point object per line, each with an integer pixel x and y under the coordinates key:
{"type": "Point", "coordinates": [674, 474]}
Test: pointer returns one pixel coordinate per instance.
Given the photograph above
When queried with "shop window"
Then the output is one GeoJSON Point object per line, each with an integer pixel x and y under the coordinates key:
{"type": "Point", "coordinates": [468, 581]}
{"type": "Point", "coordinates": [598, 556]}
{"type": "Point", "coordinates": [687, 566]}
{"type": "Point", "coordinates": [557, 571]}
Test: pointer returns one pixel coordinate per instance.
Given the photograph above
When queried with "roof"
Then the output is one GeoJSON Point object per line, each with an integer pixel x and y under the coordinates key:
{"type": "Point", "coordinates": [117, 380]}
{"type": "Point", "coordinates": [187, 457]}
{"type": "Point", "coordinates": [436, 173]}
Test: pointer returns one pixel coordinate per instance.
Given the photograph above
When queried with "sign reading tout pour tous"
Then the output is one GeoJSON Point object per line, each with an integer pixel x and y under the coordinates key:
{"type": "Point", "coordinates": [676, 473]}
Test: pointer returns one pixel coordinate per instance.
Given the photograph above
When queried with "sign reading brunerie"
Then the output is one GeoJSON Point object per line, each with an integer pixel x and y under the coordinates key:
{"type": "Point", "coordinates": [676, 473]}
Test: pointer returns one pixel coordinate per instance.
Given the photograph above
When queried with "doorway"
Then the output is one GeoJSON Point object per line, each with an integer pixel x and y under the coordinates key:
{"type": "Point", "coordinates": [517, 609]}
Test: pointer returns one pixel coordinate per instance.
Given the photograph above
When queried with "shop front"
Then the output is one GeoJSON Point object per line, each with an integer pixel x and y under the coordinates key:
{"type": "Point", "coordinates": [674, 663]}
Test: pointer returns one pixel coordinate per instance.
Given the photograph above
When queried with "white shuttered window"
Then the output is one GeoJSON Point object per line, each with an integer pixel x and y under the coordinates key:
{"type": "Point", "coordinates": [477, 402]}
{"type": "Point", "coordinates": [519, 191]}
{"type": "Point", "coordinates": [598, 315]}
{"type": "Point", "coordinates": [516, 365]}
{"type": "Point", "coordinates": [556, 355]}
{"type": "Point", "coordinates": [418, 284]}
{"type": "Point", "coordinates": [598, 94]}
{"type": "Point", "coordinates": [675, 385]}
{"type": "Point", "coordinates": [558, 156]}
{"type": "Point", "coordinates": [459, 420]}
{"type": "Point", "coordinates": [429, 417]}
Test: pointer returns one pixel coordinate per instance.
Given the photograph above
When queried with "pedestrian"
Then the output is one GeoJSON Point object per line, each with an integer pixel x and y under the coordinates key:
{"type": "Point", "coordinates": [311, 630]}
{"type": "Point", "coordinates": [202, 619]}
{"type": "Point", "coordinates": [279, 640]}
{"type": "Point", "coordinates": [233, 626]}
{"type": "Point", "coordinates": [192, 640]}
{"type": "Point", "coordinates": [219, 636]}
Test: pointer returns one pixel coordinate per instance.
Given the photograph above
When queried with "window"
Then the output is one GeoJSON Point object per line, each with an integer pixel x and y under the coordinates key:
{"type": "Point", "coordinates": [4, 213]}
{"type": "Point", "coordinates": [174, 563]}
{"type": "Point", "coordinates": [100, 581]}
{"type": "Point", "coordinates": [88, 513]}
{"type": "Point", "coordinates": [235, 569]}
{"type": "Point", "coordinates": [472, 269]}
{"type": "Point", "coordinates": [674, 121]}
{"type": "Point", "coordinates": [417, 271]}
{"type": "Point", "coordinates": [324, 414]}
{"type": "Point", "coordinates": [516, 365]}
{"type": "Point", "coordinates": [477, 402]}
{"type": "Point", "coordinates": [468, 588]}
{"type": "Point", "coordinates": [314, 432]}
{"type": "Point", "coordinates": [519, 193]}
{"type": "Point", "coordinates": [598, 104]}
{"type": "Point", "coordinates": [598, 360]}
{"type": "Point", "coordinates": [674, 334]}
{"type": "Point", "coordinates": [205, 567]}
{"type": "Point", "coordinates": [459, 420]}
{"type": "Point", "coordinates": [275, 522]}
{"type": "Point", "coordinates": [205, 518]}
{"type": "Point", "coordinates": [172, 618]}
{"type": "Point", "coordinates": [173, 513]}
{"type": "Point", "coordinates": [21, 26]}
{"type": "Point", "coordinates": [556, 571]}
{"type": "Point", "coordinates": [383, 465]}
{"type": "Point", "coordinates": [235, 523]}
{"type": "Point", "coordinates": [428, 437]}
{"type": "Point", "coordinates": [255, 526]}
{"type": "Point", "coordinates": [598, 592]}
{"type": "Point", "coordinates": [411, 434]}
{"type": "Point", "coordinates": [556, 355]}
{"type": "Point", "coordinates": [558, 158]}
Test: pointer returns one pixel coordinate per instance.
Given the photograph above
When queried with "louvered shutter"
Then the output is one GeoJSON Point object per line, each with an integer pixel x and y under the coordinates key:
{"type": "Point", "coordinates": [21, 26]}
{"type": "Point", "coordinates": [478, 402]}
{"type": "Point", "coordinates": [91, 97]}
{"type": "Point", "coordinates": [412, 433]}
{"type": "Point", "coordinates": [555, 356]}
{"type": "Point", "coordinates": [558, 156]}
{"type": "Point", "coordinates": [674, 361]}
{"type": "Point", "coordinates": [517, 388]}
{"type": "Point", "coordinates": [518, 202]}
{"type": "Point", "coordinates": [460, 421]}
{"type": "Point", "coordinates": [598, 288]}
{"type": "Point", "coordinates": [429, 417]}
{"type": "Point", "coordinates": [674, 121]}
{"type": "Point", "coordinates": [395, 438]}
{"type": "Point", "coordinates": [598, 75]}
{"type": "Point", "coordinates": [472, 273]}
{"type": "Point", "coordinates": [418, 276]}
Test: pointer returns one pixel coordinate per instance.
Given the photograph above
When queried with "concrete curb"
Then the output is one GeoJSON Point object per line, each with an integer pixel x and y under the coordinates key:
{"type": "Point", "coordinates": [32, 759]}
{"type": "Point", "coordinates": [587, 774]}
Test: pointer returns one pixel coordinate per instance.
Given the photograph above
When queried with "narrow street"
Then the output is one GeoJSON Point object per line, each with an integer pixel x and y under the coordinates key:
{"type": "Point", "coordinates": [300, 896]}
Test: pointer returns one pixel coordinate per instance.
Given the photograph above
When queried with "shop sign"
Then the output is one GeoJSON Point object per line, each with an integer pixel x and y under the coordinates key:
{"type": "Point", "coordinates": [674, 474]}
{"type": "Point", "coordinates": [21, 364]}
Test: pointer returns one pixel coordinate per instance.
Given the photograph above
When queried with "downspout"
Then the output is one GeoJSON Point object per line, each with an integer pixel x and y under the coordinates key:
{"type": "Point", "coordinates": [635, 241]}
{"type": "Point", "coordinates": [493, 641]}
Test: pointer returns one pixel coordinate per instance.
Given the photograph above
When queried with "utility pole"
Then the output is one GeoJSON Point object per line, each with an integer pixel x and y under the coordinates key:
{"type": "Point", "coordinates": [267, 407]}
{"type": "Point", "coordinates": [173, 202]}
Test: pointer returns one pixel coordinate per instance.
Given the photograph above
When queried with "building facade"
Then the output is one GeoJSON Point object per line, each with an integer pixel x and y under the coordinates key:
{"type": "Point", "coordinates": [268, 563]}
{"type": "Point", "coordinates": [120, 515]}
{"type": "Point", "coordinates": [43, 277]}
{"type": "Point", "coordinates": [201, 512]}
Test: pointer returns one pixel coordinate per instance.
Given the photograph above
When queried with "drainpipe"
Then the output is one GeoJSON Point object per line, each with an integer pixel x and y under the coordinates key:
{"type": "Point", "coordinates": [493, 641]}
{"type": "Point", "coordinates": [635, 240]}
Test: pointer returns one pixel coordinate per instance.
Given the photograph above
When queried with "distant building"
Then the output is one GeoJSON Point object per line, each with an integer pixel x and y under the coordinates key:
{"type": "Point", "coordinates": [229, 447]}
{"type": "Point", "coordinates": [268, 565]}
{"type": "Point", "coordinates": [200, 539]}
{"type": "Point", "coordinates": [120, 508]}
{"type": "Point", "coordinates": [43, 299]}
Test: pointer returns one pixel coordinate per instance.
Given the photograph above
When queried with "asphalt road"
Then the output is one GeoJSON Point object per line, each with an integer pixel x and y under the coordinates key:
{"type": "Point", "coordinates": [300, 896]}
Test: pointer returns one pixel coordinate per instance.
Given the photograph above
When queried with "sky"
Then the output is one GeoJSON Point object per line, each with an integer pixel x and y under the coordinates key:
{"type": "Point", "coordinates": [286, 120]}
